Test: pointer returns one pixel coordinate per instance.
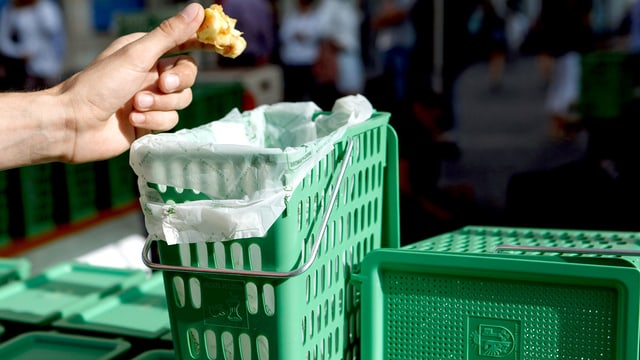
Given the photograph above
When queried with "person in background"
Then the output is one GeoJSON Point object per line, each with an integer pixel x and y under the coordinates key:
{"type": "Point", "coordinates": [33, 31]}
{"type": "Point", "coordinates": [257, 22]}
{"type": "Point", "coordinates": [300, 34]}
{"type": "Point", "coordinates": [394, 40]}
{"type": "Point", "coordinates": [129, 90]}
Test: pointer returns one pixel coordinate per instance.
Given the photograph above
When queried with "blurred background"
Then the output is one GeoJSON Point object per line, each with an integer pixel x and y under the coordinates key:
{"type": "Point", "coordinates": [508, 112]}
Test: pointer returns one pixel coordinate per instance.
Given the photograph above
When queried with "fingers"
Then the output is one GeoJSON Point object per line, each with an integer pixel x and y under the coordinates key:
{"type": "Point", "coordinates": [150, 101]}
{"type": "Point", "coordinates": [154, 120]}
{"type": "Point", "coordinates": [176, 74]}
{"type": "Point", "coordinates": [171, 33]}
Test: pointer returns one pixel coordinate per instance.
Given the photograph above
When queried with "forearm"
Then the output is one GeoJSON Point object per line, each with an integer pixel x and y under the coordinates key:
{"type": "Point", "coordinates": [32, 129]}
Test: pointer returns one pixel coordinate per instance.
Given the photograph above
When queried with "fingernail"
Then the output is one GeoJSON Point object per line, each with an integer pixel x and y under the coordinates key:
{"type": "Point", "coordinates": [190, 12]}
{"type": "Point", "coordinates": [137, 118]}
{"type": "Point", "coordinates": [171, 82]}
{"type": "Point", "coordinates": [144, 101]}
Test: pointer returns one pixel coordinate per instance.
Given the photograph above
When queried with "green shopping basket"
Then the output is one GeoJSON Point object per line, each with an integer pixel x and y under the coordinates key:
{"type": "Point", "coordinates": [287, 295]}
{"type": "Point", "coordinates": [484, 293]}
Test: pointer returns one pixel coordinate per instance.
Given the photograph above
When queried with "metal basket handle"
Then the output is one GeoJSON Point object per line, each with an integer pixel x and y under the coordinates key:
{"type": "Point", "coordinates": [621, 252]}
{"type": "Point", "coordinates": [270, 274]}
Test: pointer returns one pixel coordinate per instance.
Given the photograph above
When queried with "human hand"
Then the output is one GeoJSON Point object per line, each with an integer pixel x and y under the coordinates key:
{"type": "Point", "coordinates": [130, 89]}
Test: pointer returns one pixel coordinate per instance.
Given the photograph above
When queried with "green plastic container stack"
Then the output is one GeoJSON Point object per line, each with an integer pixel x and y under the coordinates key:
{"type": "Point", "coordinates": [314, 314]}
{"type": "Point", "coordinates": [116, 183]}
{"type": "Point", "coordinates": [61, 291]}
{"type": "Point", "coordinates": [31, 195]}
{"type": "Point", "coordinates": [139, 312]}
{"type": "Point", "coordinates": [5, 236]}
{"type": "Point", "coordinates": [53, 345]}
{"type": "Point", "coordinates": [539, 296]}
{"type": "Point", "coordinates": [76, 195]}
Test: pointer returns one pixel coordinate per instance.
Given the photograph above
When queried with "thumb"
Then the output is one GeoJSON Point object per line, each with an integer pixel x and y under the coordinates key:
{"type": "Point", "coordinates": [170, 34]}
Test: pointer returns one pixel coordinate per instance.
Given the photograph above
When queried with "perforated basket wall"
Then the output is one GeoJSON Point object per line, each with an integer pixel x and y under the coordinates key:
{"type": "Point", "coordinates": [314, 315]}
{"type": "Point", "coordinates": [451, 297]}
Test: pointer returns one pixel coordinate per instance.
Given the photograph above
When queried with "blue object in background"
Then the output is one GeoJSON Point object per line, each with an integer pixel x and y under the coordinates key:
{"type": "Point", "coordinates": [104, 9]}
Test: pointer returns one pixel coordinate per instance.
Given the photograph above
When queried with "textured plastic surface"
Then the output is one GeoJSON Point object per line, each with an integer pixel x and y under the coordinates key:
{"type": "Point", "coordinates": [140, 311]}
{"type": "Point", "coordinates": [52, 345]}
{"type": "Point", "coordinates": [156, 355]}
{"type": "Point", "coordinates": [61, 291]}
{"type": "Point", "coordinates": [313, 315]}
{"type": "Point", "coordinates": [452, 296]}
{"type": "Point", "coordinates": [12, 269]}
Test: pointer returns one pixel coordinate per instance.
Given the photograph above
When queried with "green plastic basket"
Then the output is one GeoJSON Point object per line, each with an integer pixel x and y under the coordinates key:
{"type": "Point", "coordinates": [286, 296]}
{"type": "Point", "coordinates": [159, 354]}
{"type": "Point", "coordinates": [116, 183]}
{"type": "Point", "coordinates": [76, 195]}
{"type": "Point", "coordinates": [548, 294]}
{"type": "Point", "coordinates": [52, 345]}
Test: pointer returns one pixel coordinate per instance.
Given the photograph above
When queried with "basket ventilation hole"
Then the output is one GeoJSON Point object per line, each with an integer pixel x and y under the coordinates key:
{"type": "Point", "coordinates": [255, 256]}
{"type": "Point", "coordinates": [221, 260]}
{"type": "Point", "coordinates": [203, 259]}
{"type": "Point", "coordinates": [194, 343]}
{"type": "Point", "coordinates": [196, 297]}
{"type": "Point", "coordinates": [185, 254]}
{"type": "Point", "coordinates": [252, 298]}
{"type": "Point", "coordinates": [178, 291]}
{"type": "Point", "coordinates": [236, 256]}
{"type": "Point", "coordinates": [333, 307]}
{"type": "Point", "coordinates": [304, 330]}
{"type": "Point", "coordinates": [245, 346]}
{"type": "Point", "coordinates": [262, 343]}
{"type": "Point", "coordinates": [269, 299]}
{"type": "Point", "coordinates": [227, 345]}
{"type": "Point", "coordinates": [211, 344]}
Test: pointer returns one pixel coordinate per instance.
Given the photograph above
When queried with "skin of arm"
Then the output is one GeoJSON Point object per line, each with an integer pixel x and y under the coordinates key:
{"type": "Point", "coordinates": [129, 90]}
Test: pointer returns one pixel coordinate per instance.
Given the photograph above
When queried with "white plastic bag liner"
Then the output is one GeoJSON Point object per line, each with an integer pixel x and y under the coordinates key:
{"type": "Point", "coordinates": [239, 170]}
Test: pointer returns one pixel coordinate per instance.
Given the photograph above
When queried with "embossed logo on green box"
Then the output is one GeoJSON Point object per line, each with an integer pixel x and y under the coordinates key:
{"type": "Point", "coordinates": [490, 339]}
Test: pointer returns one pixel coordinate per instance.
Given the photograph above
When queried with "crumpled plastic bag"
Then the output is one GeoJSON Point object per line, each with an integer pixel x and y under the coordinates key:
{"type": "Point", "coordinates": [230, 178]}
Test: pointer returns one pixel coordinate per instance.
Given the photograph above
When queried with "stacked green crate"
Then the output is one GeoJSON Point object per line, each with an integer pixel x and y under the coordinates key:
{"type": "Point", "coordinates": [116, 182]}
{"type": "Point", "coordinates": [607, 85]}
{"type": "Point", "coordinates": [75, 198]}
{"type": "Point", "coordinates": [31, 199]}
{"type": "Point", "coordinates": [51, 345]}
{"type": "Point", "coordinates": [5, 237]}
{"type": "Point", "coordinates": [211, 101]}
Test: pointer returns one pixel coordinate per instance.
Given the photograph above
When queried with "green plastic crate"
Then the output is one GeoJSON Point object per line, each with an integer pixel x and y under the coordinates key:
{"type": "Point", "coordinates": [5, 235]}
{"type": "Point", "coordinates": [608, 83]}
{"type": "Point", "coordinates": [138, 312]}
{"type": "Point", "coordinates": [31, 197]}
{"type": "Point", "coordinates": [314, 314]}
{"type": "Point", "coordinates": [159, 354]}
{"type": "Point", "coordinates": [76, 195]}
{"type": "Point", "coordinates": [51, 345]}
{"type": "Point", "coordinates": [116, 183]}
{"type": "Point", "coordinates": [62, 290]}
{"type": "Point", "coordinates": [454, 296]}
{"type": "Point", "coordinates": [211, 101]}
{"type": "Point", "coordinates": [12, 269]}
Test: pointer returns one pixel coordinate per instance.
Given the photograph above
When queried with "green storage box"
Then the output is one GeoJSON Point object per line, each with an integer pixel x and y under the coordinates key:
{"type": "Point", "coordinates": [608, 83]}
{"type": "Point", "coordinates": [116, 183]}
{"type": "Point", "coordinates": [76, 196]}
{"type": "Point", "coordinates": [5, 235]}
{"type": "Point", "coordinates": [211, 101]}
{"type": "Point", "coordinates": [31, 199]}
{"type": "Point", "coordinates": [52, 345]}
{"type": "Point", "coordinates": [157, 355]}
{"type": "Point", "coordinates": [62, 290]}
{"type": "Point", "coordinates": [274, 309]}
{"type": "Point", "coordinates": [138, 312]}
{"type": "Point", "coordinates": [453, 296]}
{"type": "Point", "coordinates": [12, 269]}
